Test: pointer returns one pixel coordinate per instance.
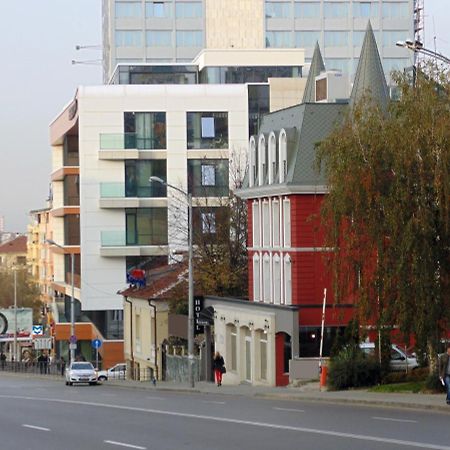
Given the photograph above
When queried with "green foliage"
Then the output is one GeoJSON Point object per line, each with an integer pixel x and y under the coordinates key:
{"type": "Point", "coordinates": [402, 377]}
{"type": "Point", "coordinates": [433, 383]}
{"type": "Point", "coordinates": [348, 339]}
{"type": "Point", "coordinates": [352, 369]}
{"type": "Point", "coordinates": [410, 386]}
{"type": "Point", "coordinates": [387, 214]}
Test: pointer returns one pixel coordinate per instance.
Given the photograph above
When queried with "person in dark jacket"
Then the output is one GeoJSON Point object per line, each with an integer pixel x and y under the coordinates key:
{"type": "Point", "coordinates": [218, 366]}
{"type": "Point", "coordinates": [444, 371]}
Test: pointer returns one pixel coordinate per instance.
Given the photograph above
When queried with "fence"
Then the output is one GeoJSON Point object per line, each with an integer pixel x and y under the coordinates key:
{"type": "Point", "coordinates": [38, 368]}
{"type": "Point", "coordinates": [177, 368]}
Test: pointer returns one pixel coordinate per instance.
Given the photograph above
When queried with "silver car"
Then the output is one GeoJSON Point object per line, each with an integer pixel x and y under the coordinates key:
{"type": "Point", "coordinates": [81, 372]}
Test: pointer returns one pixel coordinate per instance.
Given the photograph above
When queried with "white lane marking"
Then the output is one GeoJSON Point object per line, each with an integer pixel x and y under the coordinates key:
{"type": "Point", "coordinates": [288, 409]}
{"type": "Point", "coordinates": [122, 444]}
{"type": "Point", "coordinates": [212, 401]}
{"type": "Point", "coordinates": [318, 431]}
{"type": "Point", "coordinates": [34, 427]}
{"type": "Point", "coordinates": [391, 419]}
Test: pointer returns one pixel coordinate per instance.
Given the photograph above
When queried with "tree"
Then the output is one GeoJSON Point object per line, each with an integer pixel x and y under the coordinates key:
{"type": "Point", "coordinates": [387, 211]}
{"type": "Point", "coordinates": [27, 290]}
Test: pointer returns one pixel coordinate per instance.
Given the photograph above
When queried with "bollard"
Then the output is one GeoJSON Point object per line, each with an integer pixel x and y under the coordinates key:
{"type": "Point", "coordinates": [323, 376]}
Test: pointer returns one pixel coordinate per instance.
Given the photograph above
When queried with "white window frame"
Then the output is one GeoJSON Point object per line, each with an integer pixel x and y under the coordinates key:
{"type": "Point", "coordinates": [266, 279]}
{"type": "Point", "coordinates": [282, 149]}
{"type": "Point", "coordinates": [276, 232]}
{"type": "Point", "coordinates": [255, 223]}
{"type": "Point", "coordinates": [256, 278]}
{"type": "Point", "coordinates": [286, 222]}
{"type": "Point", "coordinates": [272, 158]}
{"type": "Point", "coordinates": [276, 279]}
{"type": "Point", "coordinates": [261, 158]}
{"type": "Point", "coordinates": [265, 223]}
{"type": "Point", "coordinates": [252, 166]}
{"type": "Point", "coordinates": [287, 280]}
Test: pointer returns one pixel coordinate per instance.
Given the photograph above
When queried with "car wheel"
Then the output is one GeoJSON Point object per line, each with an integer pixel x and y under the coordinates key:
{"type": "Point", "coordinates": [67, 383]}
{"type": "Point", "coordinates": [102, 378]}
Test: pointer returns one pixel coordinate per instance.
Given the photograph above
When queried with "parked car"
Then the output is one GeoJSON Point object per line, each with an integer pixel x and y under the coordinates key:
{"type": "Point", "coordinates": [81, 372]}
{"type": "Point", "coordinates": [399, 359]}
{"type": "Point", "coordinates": [117, 372]}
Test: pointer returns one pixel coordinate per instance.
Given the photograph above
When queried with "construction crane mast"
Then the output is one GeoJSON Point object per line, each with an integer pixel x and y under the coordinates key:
{"type": "Point", "coordinates": [419, 25]}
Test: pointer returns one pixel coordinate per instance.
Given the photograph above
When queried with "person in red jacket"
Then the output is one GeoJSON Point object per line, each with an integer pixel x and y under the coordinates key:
{"type": "Point", "coordinates": [218, 366]}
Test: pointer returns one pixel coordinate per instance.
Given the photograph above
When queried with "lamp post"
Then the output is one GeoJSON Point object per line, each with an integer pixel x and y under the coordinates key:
{"type": "Point", "coordinates": [15, 314]}
{"type": "Point", "coordinates": [417, 47]}
{"type": "Point", "coordinates": [72, 299]}
{"type": "Point", "coordinates": [188, 195]}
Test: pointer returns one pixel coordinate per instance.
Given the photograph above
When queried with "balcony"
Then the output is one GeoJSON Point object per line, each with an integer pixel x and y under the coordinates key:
{"type": "Point", "coordinates": [114, 243]}
{"type": "Point", "coordinates": [118, 195]}
{"type": "Point", "coordinates": [129, 145]}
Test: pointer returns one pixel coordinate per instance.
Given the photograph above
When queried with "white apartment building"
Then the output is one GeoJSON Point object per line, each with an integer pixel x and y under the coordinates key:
{"type": "Point", "coordinates": [177, 30]}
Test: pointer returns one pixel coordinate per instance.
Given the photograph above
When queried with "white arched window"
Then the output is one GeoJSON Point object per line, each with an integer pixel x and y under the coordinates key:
{"type": "Point", "coordinates": [252, 165]}
{"type": "Point", "coordinates": [266, 279]}
{"type": "Point", "coordinates": [282, 149]}
{"type": "Point", "coordinates": [272, 158]}
{"type": "Point", "coordinates": [275, 223]}
{"type": "Point", "coordinates": [256, 229]}
{"type": "Point", "coordinates": [287, 280]}
{"type": "Point", "coordinates": [276, 279]}
{"type": "Point", "coordinates": [262, 163]}
{"type": "Point", "coordinates": [286, 222]}
{"type": "Point", "coordinates": [256, 278]}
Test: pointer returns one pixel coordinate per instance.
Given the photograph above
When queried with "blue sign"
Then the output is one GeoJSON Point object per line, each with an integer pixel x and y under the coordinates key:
{"type": "Point", "coordinates": [38, 330]}
{"type": "Point", "coordinates": [96, 343]}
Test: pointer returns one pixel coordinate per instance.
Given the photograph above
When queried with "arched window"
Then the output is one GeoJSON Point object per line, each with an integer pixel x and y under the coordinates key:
{"type": "Point", "coordinates": [272, 158]}
{"type": "Point", "coordinates": [252, 166]}
{"type": "Point", "coordinates": [266, 279]}
{"type": "Point", "coordinates": [286, 222]}
{"type": "Point", "coordinates": [256, 278]}
{"type": "Point", "coordinates": [276, 279]}
{"type": "Point", "coordinates": [282, 148]}
{"type": "Point", "coordinates": [262, 162]}
{"type": "Point", "coordinates": [256, 224]}
{"type": "Point", "coordinates": [287, 280]}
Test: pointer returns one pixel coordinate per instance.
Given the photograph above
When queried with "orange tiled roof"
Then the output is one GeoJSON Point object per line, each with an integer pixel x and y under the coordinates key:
{"type": "Point", "coordinates": [17, 245]}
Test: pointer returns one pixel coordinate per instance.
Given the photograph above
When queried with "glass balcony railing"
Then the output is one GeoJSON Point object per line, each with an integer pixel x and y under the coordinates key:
{"type": "Point", "coordinates": [127, 141]}
{"type": "Point", "coordinates": [122, 190]}
{"type": "Point", "coordinates": [113, 238]}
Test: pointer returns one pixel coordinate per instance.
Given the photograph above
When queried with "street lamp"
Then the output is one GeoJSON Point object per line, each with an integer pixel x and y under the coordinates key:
{"type": "Point", "coordinates": [72, 299]}
{"type": "Point", "coordinates": [15, 314]}
{"type": "Point", "coordinates": [417, 47]}
{"type": "Point", "coordinates": [188, 195]}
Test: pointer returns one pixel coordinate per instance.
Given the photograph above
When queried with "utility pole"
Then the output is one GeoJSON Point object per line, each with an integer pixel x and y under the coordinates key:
{"type": "Point", "coordinates": [15, 314]}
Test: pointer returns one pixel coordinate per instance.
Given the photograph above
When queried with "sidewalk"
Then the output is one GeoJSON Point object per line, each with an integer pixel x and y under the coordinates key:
{"type": "Point", "coordinates": [308, 392]}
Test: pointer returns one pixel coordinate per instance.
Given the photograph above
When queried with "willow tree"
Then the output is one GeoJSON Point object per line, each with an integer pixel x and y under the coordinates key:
{"type": "Point", "coordinates": [387, 212]}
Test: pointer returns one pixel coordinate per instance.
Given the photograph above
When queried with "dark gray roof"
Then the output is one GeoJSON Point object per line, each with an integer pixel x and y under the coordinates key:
{"type": "Point", "coordinates": [369, 77]}
{"type": "Point", "coordinates": [317, 66]}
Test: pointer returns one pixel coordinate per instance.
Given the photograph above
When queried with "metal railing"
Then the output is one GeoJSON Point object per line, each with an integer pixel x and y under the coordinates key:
{"type": "Point", "coordinates": [30, 367]}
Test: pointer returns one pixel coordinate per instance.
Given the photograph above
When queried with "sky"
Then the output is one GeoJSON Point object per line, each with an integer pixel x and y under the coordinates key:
{"type": "Point", "coordinates": [37, 44]}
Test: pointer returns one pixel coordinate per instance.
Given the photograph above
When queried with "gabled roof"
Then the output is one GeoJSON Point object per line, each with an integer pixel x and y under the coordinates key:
{"type": "Point", "coordinates": [160, 282]}
{"type": "Point", "coordinates": [17, 245]}
{"type": "Point", "coordinates": [369, 78]}
{"type": "Point", "coordinates": [317, 66]}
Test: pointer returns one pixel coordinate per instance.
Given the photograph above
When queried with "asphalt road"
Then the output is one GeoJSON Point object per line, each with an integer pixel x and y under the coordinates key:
{"type": "Point", "coordinates": [40, 414]}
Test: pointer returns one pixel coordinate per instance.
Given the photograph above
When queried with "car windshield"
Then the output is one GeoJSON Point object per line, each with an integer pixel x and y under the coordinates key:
{"type": "Point", "coordinates": [82, 366]}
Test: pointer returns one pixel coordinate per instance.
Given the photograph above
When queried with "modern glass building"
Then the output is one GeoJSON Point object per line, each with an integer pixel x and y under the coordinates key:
{"type": "Point", "coordinates": [176, 30]}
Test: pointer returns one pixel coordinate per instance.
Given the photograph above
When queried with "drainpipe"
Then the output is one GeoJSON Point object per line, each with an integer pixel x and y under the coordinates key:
{"type": "Point", "coordinates": [154, 336]}
{"type": "Point", "coordinates": [131, 335]}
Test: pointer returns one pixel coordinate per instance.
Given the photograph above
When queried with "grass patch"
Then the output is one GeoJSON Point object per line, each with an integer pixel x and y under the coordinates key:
{"type": "Point", "coordinates": [410, 386]}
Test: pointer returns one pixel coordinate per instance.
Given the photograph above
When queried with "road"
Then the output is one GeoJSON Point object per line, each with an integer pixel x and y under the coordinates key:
{"type": "Point", "coordinates": [40, 414]}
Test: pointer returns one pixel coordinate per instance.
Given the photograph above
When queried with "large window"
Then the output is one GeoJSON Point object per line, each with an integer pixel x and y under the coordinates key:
{"type": "Point", "coordinates": [336, 38]}
{"type": "Point", "coordinates": [189, 38]}
{"type": "Point", "coordinates": [158, 9]}
{"type": "Point", "coordinates": [307, 10]}
{"type": "Point", "coordinates": [128, 38]}
{"type": "Point", "coordinates": [70, 149]}
{"type": "Point", "coordinates": [335, 10]}
{"type": "Point", "coordinates": [340, 64]}
{"type": "Point", "coordinates": [158, 38]}
{"type": "Point", "coordinates": [395, 10]}
{"type": "Point", "coordinates": [72, 229]}
{"type": "Point", "coordinates": [390, 38]}
{"type": "Point", "coordinates": [279, 10]}
{"type": "Point", "coordinates": [208, 177]}
{"type": "Point", "coordinates": [146, 226]}
{"type": "Point", "coordinates": [137, 174]}
{"type": "Point", "coordinates": [71, 190]}
{"type": "Point", "coordinates": [128, 9]}
{"type": "Point", "coordinates": [145, 130]}
{"type": "Point", "coordinates": [306, 38]}
{"type": "Point", "coordinates": [207, 130]}
{"type": "Point", "coordinates": [189, 10]}
{"type": "Point", "coordinates": [278, 39]}
{"type": "Point", "coordinates": [365, 9]}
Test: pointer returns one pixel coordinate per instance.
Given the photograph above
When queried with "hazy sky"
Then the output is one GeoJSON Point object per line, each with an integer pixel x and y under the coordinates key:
{"type": "Point", "coordinates": [37, 45]}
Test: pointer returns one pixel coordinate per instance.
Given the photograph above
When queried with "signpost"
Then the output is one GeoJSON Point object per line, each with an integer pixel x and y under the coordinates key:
{"type": "Point", "coordinates": [96, 343]}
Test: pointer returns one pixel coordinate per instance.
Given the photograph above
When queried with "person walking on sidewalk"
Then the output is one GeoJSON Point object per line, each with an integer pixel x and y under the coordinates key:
{"type": "Point", "coordinates": [219, 367]}
{"type": "Point", "coordinates": [445, 371]}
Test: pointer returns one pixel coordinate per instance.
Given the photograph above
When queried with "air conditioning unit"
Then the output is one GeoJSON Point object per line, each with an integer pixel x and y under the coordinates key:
{"type": "Point", "coordinates": [332, 86]}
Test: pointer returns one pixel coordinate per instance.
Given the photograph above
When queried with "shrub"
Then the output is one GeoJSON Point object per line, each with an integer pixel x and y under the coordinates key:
{"type": "Point", "coordinates": [351, 368]}
{"type": "Point", "coordinates": [433, 383]}
{"type": "Point", "coordinates": [419, 374]}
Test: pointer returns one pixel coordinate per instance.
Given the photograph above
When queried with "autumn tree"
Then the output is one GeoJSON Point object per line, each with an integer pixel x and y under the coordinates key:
{"type": "Point", "coordinates": [387, 212]}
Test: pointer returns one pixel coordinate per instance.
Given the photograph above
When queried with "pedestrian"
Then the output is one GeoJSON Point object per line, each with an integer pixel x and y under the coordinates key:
{"type": "Point", "coordinates": [444, 372]}
{"type": "Point", "coordinates": [63, 366]}
{"type": "Point", "coordinates": [3, 360]}
{"type": "Point", "coordinates": [219, 367]}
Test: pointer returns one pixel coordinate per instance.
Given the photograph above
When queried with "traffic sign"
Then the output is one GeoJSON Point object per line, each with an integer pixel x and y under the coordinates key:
{"type": "Point", "coordinates": [38, 330]}
{"type": "Point", "coordinates": [73, 339]}
{"type": "Point", "coordinates": [42, 344]}
{"type": "Point", "coordinates": [96, 343]}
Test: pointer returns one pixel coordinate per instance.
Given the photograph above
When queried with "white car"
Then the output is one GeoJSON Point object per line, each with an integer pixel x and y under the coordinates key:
{"type": "Point", "coordinates": [81, 372]}
{"type": "Point", "coordinates": [117, 372]}
{"type": "Point", "coordinates": [399, 359]}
